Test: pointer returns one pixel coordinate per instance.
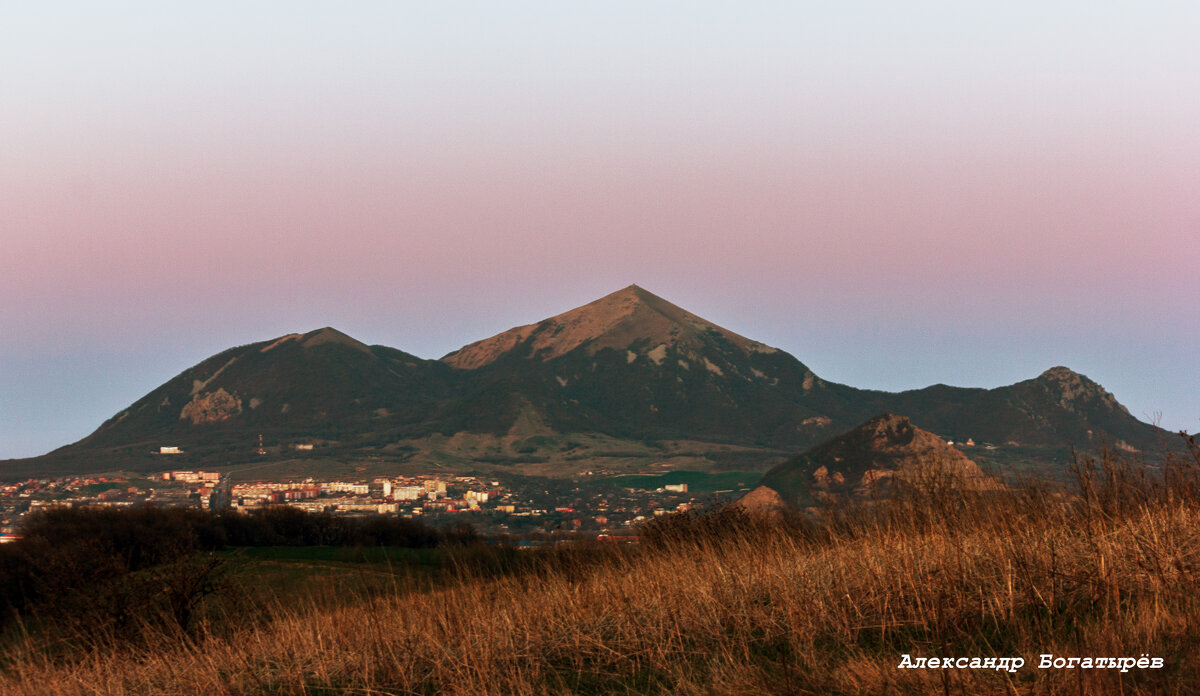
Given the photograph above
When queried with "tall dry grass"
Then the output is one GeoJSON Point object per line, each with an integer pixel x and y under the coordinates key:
{"type": "Point", "coordinates": [734, 605]}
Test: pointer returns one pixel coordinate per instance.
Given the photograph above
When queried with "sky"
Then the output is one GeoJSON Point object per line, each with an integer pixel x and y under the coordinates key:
{"type": "Point", "coordinates": [898, 194]}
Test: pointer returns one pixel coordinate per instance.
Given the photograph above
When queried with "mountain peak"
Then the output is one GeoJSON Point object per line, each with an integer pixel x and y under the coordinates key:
{"type": "Point", "coordinates": [1075, 391]}
{"type": "Point", "coordinates": [317, 337]}
{"type": "Point", "coordinates": [636, 293]}
{"type": "Point", "coordinates": [1059, 374]}
{"type": "Point", "coordinates": [616, 320]}
{"type": "Point", "coordinates": [1069, 383]}
{"type": "Point", "coordinates": [329, 334]}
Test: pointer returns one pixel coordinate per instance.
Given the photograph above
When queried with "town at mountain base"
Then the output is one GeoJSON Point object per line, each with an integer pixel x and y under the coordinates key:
{"type": "Point", "coordinates": [625, 383]}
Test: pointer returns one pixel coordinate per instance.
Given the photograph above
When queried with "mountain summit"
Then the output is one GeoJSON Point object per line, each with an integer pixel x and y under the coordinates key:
{"type": "Point", "coordinates": [635, 365]}
{"type": "Point", "coordinates": [1075, 392]}
{"type": "Point", "coordinates": [619, 320]}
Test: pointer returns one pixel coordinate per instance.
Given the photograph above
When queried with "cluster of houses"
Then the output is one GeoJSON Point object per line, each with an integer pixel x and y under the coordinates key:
{"type": "Point", "coordinates": [532, 507]}
{"type": "Point", "coordinates": [411, 495]}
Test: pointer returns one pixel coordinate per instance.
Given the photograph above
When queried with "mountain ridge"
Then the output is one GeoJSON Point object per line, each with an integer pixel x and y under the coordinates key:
{"type": "Point", "coordinates": [630, 365]}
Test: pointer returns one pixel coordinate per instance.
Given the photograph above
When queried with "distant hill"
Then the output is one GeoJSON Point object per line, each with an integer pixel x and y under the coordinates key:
{"type": "Point", "coordinates": [866, 462]}
{"type": "Point", "coordinates": [1058, 407]}
{"type": "Point", "coordinates": [628, 374]}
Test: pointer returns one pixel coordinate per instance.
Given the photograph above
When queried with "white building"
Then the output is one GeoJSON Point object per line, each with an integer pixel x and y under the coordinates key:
{"type": "Point", "coordinates": [345, 487]}
{"type": "Point", "coordinates": [407, 492]}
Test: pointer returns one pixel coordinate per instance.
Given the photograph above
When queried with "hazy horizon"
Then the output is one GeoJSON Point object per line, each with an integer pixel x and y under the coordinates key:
{"type": "Point", "coordinates": [897, 196]}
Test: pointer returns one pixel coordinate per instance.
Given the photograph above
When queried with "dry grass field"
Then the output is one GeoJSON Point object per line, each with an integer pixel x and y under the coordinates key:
{"type": "Point", "coordinates": [725, 604]}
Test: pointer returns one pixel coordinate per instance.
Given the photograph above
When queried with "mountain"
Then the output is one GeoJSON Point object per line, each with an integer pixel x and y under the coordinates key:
{"type": "Point", "coordinates": [635, 365]}
{"type": "Point", "coordinates": [867, 461]}
{"type": "Point", "coordinates": [318, 386]}
{"type": "Point", "coordinates": [629, 380]}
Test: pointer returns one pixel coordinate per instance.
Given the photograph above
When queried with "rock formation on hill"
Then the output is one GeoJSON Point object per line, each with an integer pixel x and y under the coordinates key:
{"type": "Point", "coordinates": [870, 461]}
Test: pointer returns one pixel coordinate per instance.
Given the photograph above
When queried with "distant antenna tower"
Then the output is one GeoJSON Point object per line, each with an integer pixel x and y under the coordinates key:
{"type": "Point", "coordinates": [260, 447]}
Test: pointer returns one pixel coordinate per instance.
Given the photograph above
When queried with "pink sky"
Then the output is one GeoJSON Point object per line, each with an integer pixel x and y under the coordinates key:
{"type": "Point", "coordinates": [953, 195]}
